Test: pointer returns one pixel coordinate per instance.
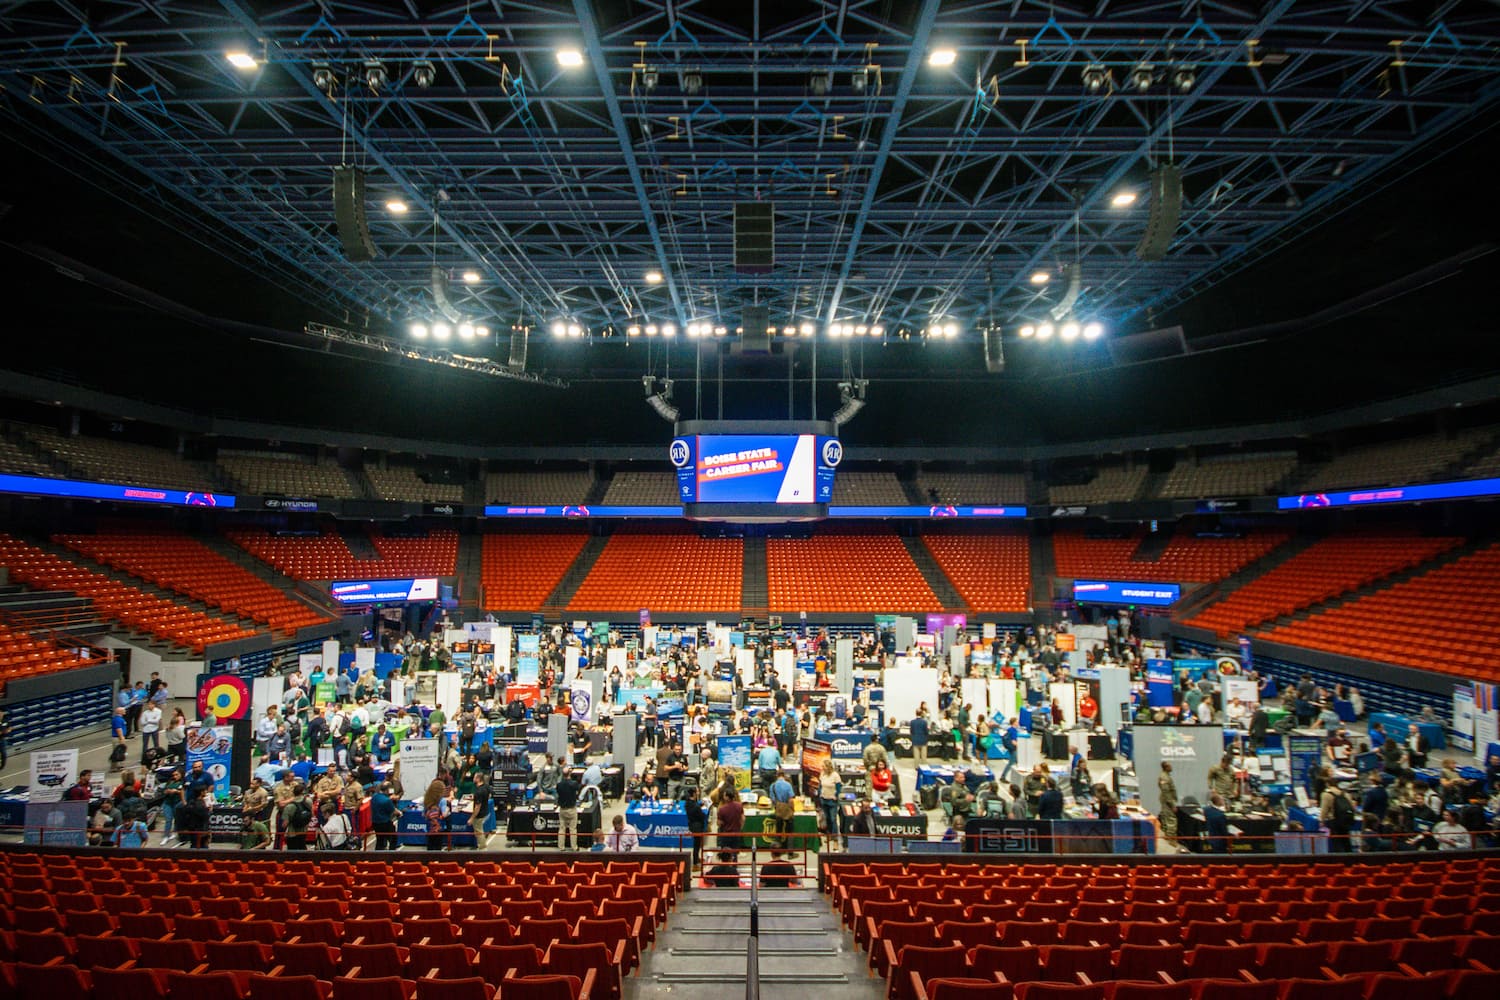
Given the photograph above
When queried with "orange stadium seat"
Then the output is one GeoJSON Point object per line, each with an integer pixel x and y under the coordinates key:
{"type": "Point", "coordinates": [520, 570]}
{"type": "Point", "coordinates": [845, 571]}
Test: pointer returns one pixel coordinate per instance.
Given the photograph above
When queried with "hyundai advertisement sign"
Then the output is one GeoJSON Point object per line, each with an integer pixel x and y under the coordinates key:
{"type": "Point", "coordinates": [1151, 595]}
{"type": "Point", "coordinates": [384, 591]}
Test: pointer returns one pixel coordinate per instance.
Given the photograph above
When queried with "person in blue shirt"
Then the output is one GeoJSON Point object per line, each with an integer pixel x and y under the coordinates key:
{"type": "Point", "coordinates": [782, 795]}
{"type": "Point", "coordinates": [384, 743]}
{"type": "Point", "coordinates": [769, 764]}
{"type": "Point", "coordinates": [118, 731]}
{"type": "Point", "coordinates": [122, 702]}
{"type": "Point", "coordinates": [919, 740]}
{"type": "Point", "coordinates": [1377, 735]}
{"type": "Point", "coordinates": [1216, 825]}
{"type": "Point", "coordinates": [383, 818]}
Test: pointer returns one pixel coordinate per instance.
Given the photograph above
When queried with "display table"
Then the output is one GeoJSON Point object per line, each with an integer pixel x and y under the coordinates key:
{"type": "Point", "coordinates": [662, 824]}
{"type": "Point", "coordinates": [938, 774]}
{"type": "Point", "coordinates": [1399, 727]}
{"type": "Point", "coordinates": [411, 828]}
{"type": "Point", "coordinates": [890, 822]}
{"type": "Point", "coordinates": [940, 745]}
{"type": "Point", "coordinates": [761, 823]}
{"type": "Point", "coordinates": [612, 786]}
{"type": "Point", "coordinates": [13, 809]}
{"type": "Point", "coordinates": [540, 825]}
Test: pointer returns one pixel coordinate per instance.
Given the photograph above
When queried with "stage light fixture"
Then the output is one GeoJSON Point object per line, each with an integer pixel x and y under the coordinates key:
{"type": "Point", "coordinates": [942, 57]}
{"type": "Point", "coordinates": [559, 328]}
{"type": "Point", "coordinates": [861, 330]}
{"type": "Point", "coordinates": [692, 81]}
{"type": "Point", "coordinates": [1040, 277]}
{"type": "Point", "coordinates": [877, 331]}
{"type": "Point", "coordinates": [835, 329]}
{"type": "Point", "coordinates": [1122, 199]}
{"type": "Point", "coordinates": [950, 330]}
{"type": "Point", "coordinates": [1043, 331]}
{"type": "Point", "coordinates": [418, 331]}
{"type": "Point", "coordinates": [807, 329]}
{"type": "Point", "coordinates": [396, 206]}
{"type": "Point", "coordinates": [632, 330]}
{"type": "Point", "coordinates": [574, 330]}
{"type": "Point", "coordinates": [653, 277]}
{"type": "Point", "coordinates": [1095, 78]}
{"type": "Point", "coordinates": [423, 73]}
{"type": "Point", "coordinates": [375, 74]}
{"type": "Point", "coordinates": [466, 331]}
{"type": "Point", "coordinates": [1068, 331]}
{"type": "Point", "coordinates": [1092, 331]}
{"type": "Point", "coordinates": [650, 77]}
{"type": "Point", "coordinates": [820, 84]}
{"type": "Point", "coordinates": [1184, 78]}
{"type": "Point", "coordinates": [242, 60]}
{"type": "Point", "coordinates": [859, 79]}
{"type": "Point", "coordinates": [481, 330]}
{"type": "Point", "coordinates": [1143, 76]}
{"type": "Point", "coordinates": [1027, 331]}
{"type": "Point", "coordinates": [692, 330]}
{"type": "Point", "coordinates": [471, 277]}
{"type": "Point", "coordinates": [323, 77]}
{"type": "Point", "coordinates": [569, 58]}
{"type": "Point", "coordinates": [650, 329]}
{"type": "Point", "coordinates": [789, 331]}
{"type": "Point", "coordinates": [669, 329]}
{"type": "Point", "coordinates": [440, 331]}
{"type": "Point", "coordinates": [720, 331]}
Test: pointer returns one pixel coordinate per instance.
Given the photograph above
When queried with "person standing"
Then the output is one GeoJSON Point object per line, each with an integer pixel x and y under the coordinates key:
{"type": "Point", "coordinates": [383, 818]}
{"type": "Point", "coordinates": [829, 788]}
{"type": "Point", "coordinates": [731, 817]}
{"type": "Point", "coordinates": [1166, 788]}
{"type": "Point", "coordinates": [296, 817]}
{"type": "Point", "coordinates": [697, 822]}
{"type": "Point", "coordinates": [622, 838]}
{"type": "Point", "coordinates": [568, 790]}
{"type": "Point", "coordinates": [769, 764]}
{"type": "Point", "coordinates": [436, 808]}
{"type": "Point", "coordinates": [784, 807]}
{"type": "Point", "coordinates": [481, 810]}
{"type": "Point", "coordinates": [1216, 825]}
{"type": "Point", "coordinates": [919, 732]}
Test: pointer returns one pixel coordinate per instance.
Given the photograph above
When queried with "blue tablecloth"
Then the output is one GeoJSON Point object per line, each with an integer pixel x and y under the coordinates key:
{"type": "Point", "coordinates": [1345, 709]}
{"type": "Point", "coordinates": [1399, 727]}
{"type": "Point", "coordinates": [848, 744]}
{"type": "Point", "coordinates": [411, 827]}
{"type": "Point", "coordinates": [661, 825]}
{"type": "Point", "coordinates": [939, 775]}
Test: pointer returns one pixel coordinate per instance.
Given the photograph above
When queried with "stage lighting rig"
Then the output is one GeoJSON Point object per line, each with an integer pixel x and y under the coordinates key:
{"type": "Point", "coordinates": [423, 74]}
{"type": "Point", "coordinates": [1097, 78]}
{"type": "Point", "coordinates": [660, 401]}
{"type": "Point", "coordinates": [851, 400]}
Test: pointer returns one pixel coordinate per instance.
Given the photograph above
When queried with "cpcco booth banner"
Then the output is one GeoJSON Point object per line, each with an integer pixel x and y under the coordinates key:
{"type": "Point", "coordinates": [1191, 750]}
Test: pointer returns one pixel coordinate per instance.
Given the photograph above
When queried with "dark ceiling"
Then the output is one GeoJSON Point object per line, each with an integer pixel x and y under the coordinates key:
{"type": "Point", "coordinates": [171, 229]}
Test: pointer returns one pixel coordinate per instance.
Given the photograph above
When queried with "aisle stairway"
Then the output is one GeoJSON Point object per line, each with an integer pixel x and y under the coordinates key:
{"type": "Point", "coordinates": [754, 599]}
{"type": "Point", "coordinates": [701, 956]}
{"type": "Point", "coordinates": [574, 577]}
{"type": "Point", "coordinates": [941, 586]}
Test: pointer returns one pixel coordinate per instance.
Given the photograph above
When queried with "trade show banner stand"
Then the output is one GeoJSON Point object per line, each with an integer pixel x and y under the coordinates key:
{"type": "Point", "coordinates": [1191, 750]}
{"type": "Point", "coordinates": [419, 765]}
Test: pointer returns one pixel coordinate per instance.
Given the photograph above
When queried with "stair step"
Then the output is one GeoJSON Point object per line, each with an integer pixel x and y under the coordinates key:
{"type": "Point", "coordinates": [797, 978]}
{"type": "Point", "coordinates": [740, 931]}
{"type": "Point", "coordinates": [766, 954]}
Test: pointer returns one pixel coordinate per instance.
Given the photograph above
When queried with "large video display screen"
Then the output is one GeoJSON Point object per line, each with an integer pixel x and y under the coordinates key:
{"type": "Point", "coordinates": [367, 591]}
{"type": "Point", "coordinates": [1156, 595]}
{"type": "Point", "coordinates": [35, 486]}
{"type": "Point", "coordinates": [755, 468]}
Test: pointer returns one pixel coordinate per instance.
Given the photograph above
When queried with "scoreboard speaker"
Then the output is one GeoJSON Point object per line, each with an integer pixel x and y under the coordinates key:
{"type": "Point", "coordinates": [517, 350]}
{"type": "Point", "coordinates": [994, 351]}
{"type": "Point", "coordinates": [754, 237]}
{"type": "Point", "coordinates": [349, 213]}
{"type": "Point", "coordinates": [1166, 207]}
{"type": "Point", "coordinates": [756, 323]}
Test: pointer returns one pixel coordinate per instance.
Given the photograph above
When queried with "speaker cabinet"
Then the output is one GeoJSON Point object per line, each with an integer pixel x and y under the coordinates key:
{"type": "Point", "coordinates": [754, 237]}
{"type": "Point", "coordinates": [517, 350]}
{"type": "Point", "coordinates": [1166, 208]}
{"type": "Point", "coordinates": [994, 351]}
{"type": "Point", "coordinates": [349, 213]}
{"type": "Point", "coordinates": [756, 321]}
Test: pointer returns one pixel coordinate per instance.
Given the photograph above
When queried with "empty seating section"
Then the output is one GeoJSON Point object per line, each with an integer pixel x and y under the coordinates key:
{"type": "Point", "coordinates": [1395, 463]}
{"type": "Point", "coordinates": [547, 487]}
{"type": "Point", "coordinates": [1110, 483]}
{"type": "Point", "coordinates": [1227, 476]}
{"type": "Point", "coordinates": [841, 572]}
{"type": "Point", "coordinates": [122, 462]}
{"type": "Point", "coordinates": [645, 488]}
{"type": "Point", "coordinates": [314, 929]}
{"type": "Point", "coordinates": [867, 489]}
{"type": "Point", "coordinates": [519, 571]}
{"type": "Point", "coordinates": [1428, 929]}
{"type": "Point", "coordinates": [289, 475]}
{"type": "Point", "coordinates": [1486, 466]}
{"type": "Point", "coordinates": [188, 567]}
{"type": "Point", "coordinates": [130, 606]}
{"type": "Point", "coordinates": [1329, 567]}
{"type": "Point", "coordinates": [17, 460]}
{"type": "Point", "coordinates": [401, 483]}
{"type": "Point", "coordinates": [974, 487]}
{"type": "Point", "coordinates": [327, 557]}
{"type": "Point", "coordinates": [1186, 559]}
{"type": "Point", "coordinates": [24, 655]}
{"type": "Point", "coordinates": [664, 572]}
{"type": "Point", "coordinates": [1446, 620]}
{"type": "Point", "coordinates": [991, 572]}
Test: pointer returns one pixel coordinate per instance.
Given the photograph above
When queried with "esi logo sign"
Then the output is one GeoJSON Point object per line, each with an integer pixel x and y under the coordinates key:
{"type": "Point", "coordinates": [680, 453]}
{"type": "Point", "coordinates": [833, 453]}
{"type": "Point", "coordinates": [1176, 744]}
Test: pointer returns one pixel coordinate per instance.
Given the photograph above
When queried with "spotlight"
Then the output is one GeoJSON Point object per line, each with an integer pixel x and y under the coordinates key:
{"type": "Point", "coordinates": [653, 277]}
{"type": "Point", "coordinates": [950, 331]}
{"type": "Point", "coordinates": [789, 331]}
{"type": "Point", "coordinates": [1122, 199]}
{"type": "Point", "coordinates": [423, 74]}
{"type": "Point", "coordinates": [481, 331]}
{"type": "Point", "coordinates": [942, 57]}
{"type": "Point", "coordinates": [1040, 277]}
{"type": "Point", "coordinates": [835, 330]}
{"type": "Point", "coordinates": [241, 59]}
{"type": "Point", "coordinates": [440, 331]}
{"type": "Point", "coordinates": [1043, 331]}
{"type": "Point", "coordinates": [1092, 331]}
{"type": "Point", "coordinates": [569, 58]}
{"type": "Point", "coordinates": [820, 84]}
{"type": "Point", "coordinates": [650, 77]}
{"type": "Point", "coordinates": [396, 206]}
{"type": "Point", "coordinates": [574, 330]}
{"type": "Point", "coordinates": [858, 80]}
{"type": "Point", "coordinates": [1184, 78]}
{"type": "Point", "coordinates": [719, 331]}
{"type": "Point", "coordinates": [471, 277]}
{"type": "Point", "coordinates": [633, 330]}
{"type": "Point", "coordinates": [861, 330]}
{"type": "Point", "coordinates": [692, 329]}
{"type": "Point", "coordinates": [669, 329]}
{"type": "Point", "coordinates": [559, 328]}
{"type": "Point", "coordinates": [375, 74]}
{"type": "Point", "coordinates": [466, 331]}
{"type": "Point", "coordinates": [1095, 78]}
{"type": "Point", "coordinates": [650, 329]}
{"type": "Point", "coordinates": [807, 329]}
{"type": "Point", "coordinates": [1142, 76]}
{"type": "Point", "coordinates": [323, 77]}
{"type": "Point", "coordinates": [418, 331]}
{"type": "Point", "coordinates": [1028, 331]}
{"type": "Point", "coordinates": [877, 331]}
{"type": "Point", "coordinates": [692, 81]}
{"type": "Point", "coordinates": [1069, 331]}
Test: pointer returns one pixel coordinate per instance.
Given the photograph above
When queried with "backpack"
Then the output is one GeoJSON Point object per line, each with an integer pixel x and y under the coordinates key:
{"type": "Point", "coordinates": [1343, 814]}
{"type": "Point", "coordinates": [356, 725]}
{"type": "Point", "coordinates": [301, 814]}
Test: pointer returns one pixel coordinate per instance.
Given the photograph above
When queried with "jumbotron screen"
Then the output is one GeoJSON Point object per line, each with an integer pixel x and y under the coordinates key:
{"type": "Point", "coordinates": [755, 468]}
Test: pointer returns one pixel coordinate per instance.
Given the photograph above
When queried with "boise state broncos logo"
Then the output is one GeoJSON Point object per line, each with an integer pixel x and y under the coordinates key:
{"type": "Point", "coordinates": [679, 453]}
{"type": "Point", "coordinates": [833, 453]}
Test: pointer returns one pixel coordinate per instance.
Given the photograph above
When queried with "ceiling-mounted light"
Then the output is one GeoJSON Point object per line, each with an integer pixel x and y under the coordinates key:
{"type": "Point", "coordinates": [1096, 78]}
{"type": "Point", "coordinates": [859, 79]}
{"type": "Point", "coordinates": [418, 331]}
{"type": "Point", "coordinates": [789, 331]}
{"type": "Point", "coordinates": [942, 57]}
{"type": "Point", "coordinates": [1092, 331]}
{"type": "Point", "coordinates": [481, 331]}
{"type": "Point", "coordinates": [471, 277]}
{"type": "Point", "coordinates": [820, 83]}
{"type": "Point", "coordinates": [1122, 199]}
{"type": "Point", "coordinates": [466, 331]}
{"type": "Point", "coordinates": [650, 329]}
{"type": "Point", "coordinates": [396, 206]}
{"type": "Point", "coordinates": [1069, 331]}
{"type": "Point", "coordinates": [323, 77]}
{"type": "Point", "coordinates": [950, 330]}
{"type": "Point", "coordinates": [1040, 277]}
{"type": "Point", "coordinates": [423, 73]}
{"type": "Point", "coordinates": [653, 277]}
{"type": "Point", "coordinates": [1184, 78]}
{"type": "Point", "coordinates": [574, 330]}
{"type": "Point", "coordinates": [720, 331]}
{"type": "Point", "coordinates": [650, 77]}
{"type": "Point", "coordinates": [559, 328]}
{"type": "Point", "coordinates": [632, 330]}
{"type": "Point", "coordinates": [877, 331]}
{"type": "Point", "coordinates": [440, 331]}
{"type": "Point", "coordinates": [1142, 76]}
{"type": "Point", "coordinates": [1027, 331]}
{"type": "Point", "coordinates": [807, 329]}
{"type": "Point", "coordinates": [569, 58]}
{"type": "Point", "coordinates": [240, 59]}
{"type": "Point", "coordinates": [669, 329]}
{"type": "Point", "coordinates": [1043, 331]}
{"type": "Point", "coordinates": [692, 81]}
{"type": "Point", "coordinates": [375, 74]}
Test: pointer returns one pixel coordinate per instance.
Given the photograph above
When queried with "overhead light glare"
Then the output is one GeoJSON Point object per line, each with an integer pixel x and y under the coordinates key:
{"type": "Point", "coordinates": [574, 330]}
{"type": "Point", "coordinates": [632, 330]}
{"type": "Point", "coordinates": [877, 331]}
{"type": "Point", "coordinates": [650, 329]}
{"type": "Point", "coordinates": [1040, 277]}
{"type": "Point", "coordinates": [466, 331]}
{"type": "Point", "coordinates": [1027, 332]}
{"type": "Point", "coordinates": [653, 277]}
{"type": "Point", "coordinates": [440, 331]}
{"type": "Point", "coordinates": [569, 58]}
{"type": "Point", "coordinates": [241, 59]}
{"type": "Point", "coordinates": [396, 206]}
{"type": "Point", "coordinates": [481, 331]}
{"type": "Point", "coordinates": [559, 328]}
{"type": "Point", "coordinates": [1069, 331]}
{"type": "Point", "coordinates": [669, 329]}
{"type": "Point", "coordinates": [950, 331]}
{"type": "Point", "coordinates": [1092, 331]}
{"type": "Point", "coordinates": [471, 277]}
{"type": "Point", "coordinates": [789, 331]}
{"type": "Point", "coordinates": [807, 329]}
{"type": "Point", "coordinates": [942, 57]}
{"type": "Point", "coordinates": [1122, 199]}
{"type": "Point", "coordinates": [861, 330]}
{"type": "Point", "coordinates": [418, 331]}
{"type": "Point", "coordinates": [720, 331]}
{"type": "Point", "coordinates": [1043, 331]}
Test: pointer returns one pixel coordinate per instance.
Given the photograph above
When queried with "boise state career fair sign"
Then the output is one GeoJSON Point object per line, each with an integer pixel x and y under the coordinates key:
{"type": "Point", "coordinates": [755, 468]}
